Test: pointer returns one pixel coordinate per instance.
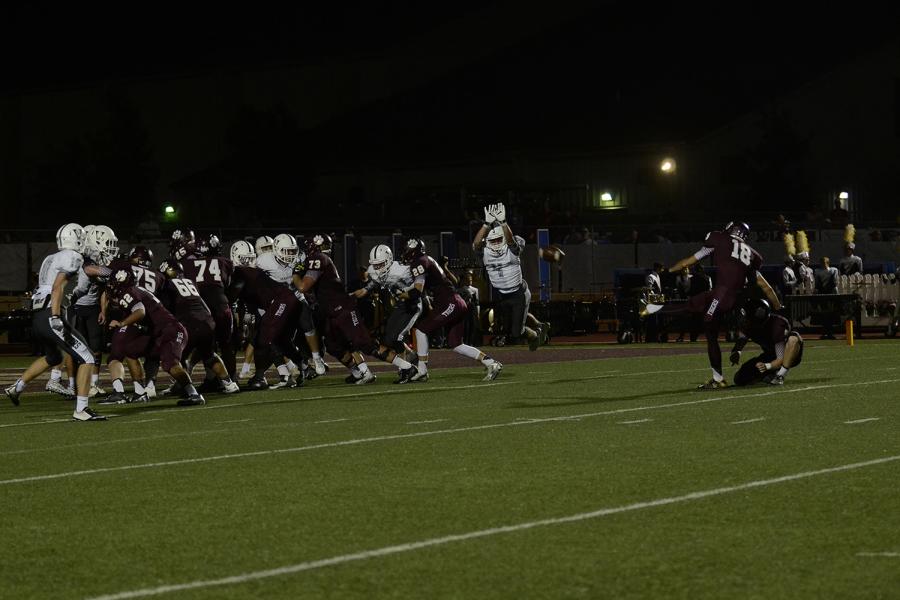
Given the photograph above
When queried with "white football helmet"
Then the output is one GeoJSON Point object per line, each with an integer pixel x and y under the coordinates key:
{"type": "Point", "coordinates": [70, 237]}
{"type": "Point", "coordinates": [264, 244]}
{"type": "Point", "coordinates": [103, 244]}
{"type": "Point", "coordinates": [496, 241]}
{"type": "Point", "coordinates": [242, 253]}
{"type": "Point", "coordinates": [285, 248]}
{"type": "Point", "coordinates": [380, 259]}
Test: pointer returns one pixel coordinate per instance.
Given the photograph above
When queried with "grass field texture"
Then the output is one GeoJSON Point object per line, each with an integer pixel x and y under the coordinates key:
{"type": "Point", "coordinates": [600, 478]}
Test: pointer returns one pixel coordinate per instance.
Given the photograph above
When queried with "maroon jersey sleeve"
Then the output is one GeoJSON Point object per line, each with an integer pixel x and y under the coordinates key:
{"type": "Point", "coordinates": [329, 288]}
{"type": "Point", "coordinates": [435, 280]}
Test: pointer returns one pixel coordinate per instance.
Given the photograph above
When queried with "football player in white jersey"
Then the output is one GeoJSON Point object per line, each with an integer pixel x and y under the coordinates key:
{"type": "Point", "coordinates": [50, 326]}
{"type": "Point", "coordinates": [501, 251]}
{"type": "Point", "coordinates": [388, 274]}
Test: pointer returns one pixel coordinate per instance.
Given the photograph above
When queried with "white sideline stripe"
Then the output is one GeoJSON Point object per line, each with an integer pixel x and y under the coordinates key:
{"type": "Point", "coordinates": [333, 421]}
{"type": "Point", "coordinates": [635, 422]}
{"type": "Point", "coordinates": [862, 420]}
{"type": "Point", "coordinates": [424, 422]}
{"type": "Point", "coordinates": [400, 436]}
{"type": "Point", "coordinates": [882, 554]}
{"type": "Point", "coordinates": [144, 421]}
{"type": "Point", "coordinates": [233, 421]}
{"type": "Point", "coordinates": [482, 533]}
{"type": "Point", "coordinates": [757, 420]}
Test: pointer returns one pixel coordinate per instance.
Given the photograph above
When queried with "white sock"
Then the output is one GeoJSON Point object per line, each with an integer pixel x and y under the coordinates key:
{"type": "Point", "coordinates": [226, 381]}
{"type": "Point", "coordinates": [355, 372]}
{"type": "Point", "coordinates": [20, 386]}
{"type": "Point", "coordinates": [81, 403]}
{"type": "Point", "coordinates": [717, 376]}
{"type": "Point", "coordinates": [118, 387]}
{"type": "Point", "coordinates": [421, 343]}
{"type": "Point", "coordinates": [422, 365]}
{"type": "Point", "coordinates": [284, 370]}
{"type": "Point", "coordinates": [55, 375]}
{"type": "Point", "coordinates": [150, 387]}
{"type": "Point", "coordinates": [468, 351]}
{"type": "Point", "coordinates": [316, 356]}
{"type": "Point", "coordinates": [94, 379]}
{"type": "Point", "coordinates": [138, 388]}
{"type": "Point", "coordinates": [363, 368]}
{"type": "Point", "coordinates": [245, 369]}
{"type": "Point", "coordinates": [400, 363]}
{"type": "Point", "coordinates": [72, 382]}
{"type": "Point", "coordinates": [190, 389]}
{"type": "Point", "coordinates": [782, 372]}
{"type": "Point", "coordinates": [291, 366]}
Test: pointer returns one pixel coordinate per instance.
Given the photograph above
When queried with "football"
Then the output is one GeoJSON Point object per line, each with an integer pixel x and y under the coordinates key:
{"type": "Point", "coordinates": [552, 254]}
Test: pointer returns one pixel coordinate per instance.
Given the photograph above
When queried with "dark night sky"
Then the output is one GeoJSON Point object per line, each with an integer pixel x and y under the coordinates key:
{"type": "Point", "coordinates": [633, 71]}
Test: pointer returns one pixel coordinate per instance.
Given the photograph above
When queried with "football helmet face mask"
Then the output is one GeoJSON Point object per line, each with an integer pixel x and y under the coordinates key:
{"type": "Point", "coordinates": [70, 237]}
{"type": "Point", "coordinates": [755, 312]}
{"type": "Point", "coordinates": [264, 244]}
{"type": "Point", "coordinates": [414, 248]}
{"type": "Point", "coordinates": [242, 253]}
{"type": "Point", "coordinates": [380, 259]}
{"type": "Point", "coordinates": [103, 244]}
{"type": "Point", "coordinates": [496, 241]}
{"type": "Point", "coordinates": [738, 230]}
{"type": "Point", "coordinates": [141, 256]}
{"type": "Point", "coordinates": [320, 242]}
{"type": "Point", "coordinates": [285, 249]}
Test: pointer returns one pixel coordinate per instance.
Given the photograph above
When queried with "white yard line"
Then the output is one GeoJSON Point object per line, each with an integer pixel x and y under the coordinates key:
{"type": "Point", "coordinates": [332, 421]}
{"type": "Point", "coordinates": [880, 554]}
{"type": "Point", "coordinates": [862, 420]}
{"type": "Point", "coordinates": [233, 421]}
{"type": "Point", "coordinates": [382, 438]}
{"type": "Point", "coordinates": [424, 422]}
{"type": "Point", "coordinates": [483, 533]}
{"type": "Point", "coordinates": [756, 420]}
{"type": "Point", "coordinates": [635, 422]}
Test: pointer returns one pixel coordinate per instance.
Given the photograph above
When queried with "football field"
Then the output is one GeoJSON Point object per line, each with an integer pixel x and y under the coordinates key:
{"type": "Point", "coordinates": [585, 473]}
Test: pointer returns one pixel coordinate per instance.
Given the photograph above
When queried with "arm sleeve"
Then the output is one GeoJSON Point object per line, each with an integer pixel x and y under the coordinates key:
{"type": "Point", "coordinates": [137, 306]}
{"type": "Point", "coordinates": [703, 252]}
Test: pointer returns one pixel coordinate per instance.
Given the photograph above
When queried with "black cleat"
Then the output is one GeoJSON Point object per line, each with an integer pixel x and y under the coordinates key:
{"type": "Point", "coordinates": [12, 394]}
{"type": "Point", "coordinates": [87, 415]}
{"type": "Point", "coordinates": [114, 398]}
{"type": "Point", "coordinates": [351, 379]}
{"type": "Point", "coordinates": [193, 400]}
{"type": "Point", "coordinates": [405, 375]}
{"type": "Point", "coordinates": [298, 382]}
{"type": "Point", "coordinates": [209, 386]}
{"type": "Point", "coordinates": [257, 383]}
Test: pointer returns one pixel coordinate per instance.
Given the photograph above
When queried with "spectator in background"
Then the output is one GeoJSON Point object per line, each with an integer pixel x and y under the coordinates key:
{"type": "Point", "coordinates": [653, 282]}
{"type": "Point", "coordinates": [587, 237]}
{"type": "Point", "coordinates": [782, 225]}
{"type": "Point", "coordinates": [573, 238]}
{"type": "Point", "coordinates": [838, 217]}
{"type": "Point", "coordinates": [851, 263]}
{"type": "Point", "coordinates": [683, 283]}
{"type": "Point", "coordinates": [826, 283]}
{"type": "Point", "coordinates": [788, 278]}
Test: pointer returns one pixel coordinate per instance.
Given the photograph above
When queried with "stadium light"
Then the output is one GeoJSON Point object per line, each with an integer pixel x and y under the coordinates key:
{"type": "Point", "coordinates": [606, 197]}
{"type": "Point", "coordinates": [667, 166]}
{"type": "Point", "coordinates": [843, 195]}
{"type": "Point", "coordinates": [170, 210]}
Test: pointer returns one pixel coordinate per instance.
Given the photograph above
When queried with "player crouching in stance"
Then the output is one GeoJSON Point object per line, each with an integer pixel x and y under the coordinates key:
{"type": "Point", "coordinates": [736, 263]}
{"type": "Point", "coordinates": [782, 348]}
{"type": "Point", "coordinates": [51, 328]}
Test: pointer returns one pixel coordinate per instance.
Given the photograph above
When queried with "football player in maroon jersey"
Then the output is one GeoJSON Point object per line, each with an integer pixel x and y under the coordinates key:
{"type": "Point", "coordinates": [449, 310]}
{"type": "Point", "coordinates": [782, 348]}
{"type": "Point", "coordinates": [737, 263]}
{"type": "Point", "coordinates": [346, 336]}
{"type": "Point", "coordinates": [169, 336]}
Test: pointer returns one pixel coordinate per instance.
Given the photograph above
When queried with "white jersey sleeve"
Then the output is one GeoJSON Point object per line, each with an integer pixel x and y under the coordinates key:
{"type": "Point", "coordinates": [274, 269]}
{"type": "Point", "coordinates": [64, 261]}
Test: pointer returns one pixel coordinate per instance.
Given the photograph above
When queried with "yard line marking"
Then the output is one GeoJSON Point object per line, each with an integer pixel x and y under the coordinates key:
{"type": "Point", "coordinates": [333, 421]}
{"type": "Point", "coordinates": [144, 421]}
{"type": "Point", "coordinates": [483, 533]}
{"type": "Point", "coordinates": [756, 420]}
{"type": "Point", "coordinates": [883, 554]}
{"type": "Point", "coordinates": [862, 420]}
{"type": "Point", "coordinates": [635, 422]}
{"type": "Point", "coordinates": [424, 422]}
{"type": "Point", "coordinates": [116, 441]}
{"type": "Point", "coordinates": [233, 421]}
{"type": "Point", "coordinates": [399, 436]}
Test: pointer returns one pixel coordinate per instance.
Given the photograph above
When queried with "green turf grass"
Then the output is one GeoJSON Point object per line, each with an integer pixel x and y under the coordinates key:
{"type": "Point", "coordinates": [501, 455]}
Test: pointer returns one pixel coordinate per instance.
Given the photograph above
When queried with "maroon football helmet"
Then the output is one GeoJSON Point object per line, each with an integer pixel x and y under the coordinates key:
{"type": "Point", "coordinates": [183, 242]}
{"type": "Point", "coordinates": [738, 230]}
{"type": "Point", "coordinates": [414, 248]}
{"type": "Point", "coordinates": [121, 274]}
{"type": "Point", "coordinates": [209, 245]}
{"type": "Point", "coordinates": [320, 242]}
{"type": "Point", "coordinates": [141, 255]}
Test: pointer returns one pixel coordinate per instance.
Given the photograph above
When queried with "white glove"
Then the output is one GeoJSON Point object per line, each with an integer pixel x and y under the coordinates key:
{"type": "Point", "coordinates": [56, 324]}
{"type": "Point", "coordinates": [488, 215]}
{"type": "Point", "coordinates": [500, 213]}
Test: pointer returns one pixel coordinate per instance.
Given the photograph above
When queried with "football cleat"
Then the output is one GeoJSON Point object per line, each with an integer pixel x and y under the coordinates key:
{"type": "Point", "coordinates": [352, 379]}
{"type": "Point", "coordinates": [135, 398]}
{"type": "Point", "coordinates": [231, 388]}
{"type": "Point", "coordinates": [367, 378]}
{"type": "Point", "coordinates": [57, 388]}
{"type": "Point", "coordinates": [493, 370]}
{"type": "Point", "coordinates": [12, 394]}
{"type": "Point", "coordinates": [298, 382]}
{"type": "Point", "coordinates": [150, 390]}
{"type": "Point", "coordinates": [209, 386]}
{"type": "Point", "coordinates": [96, 391]}
{"type": "Point", "coordinates": [712, 384]}
{"type": "Point", "coordinates": [419, 377]}
{"type": "Point", "coordinates": [192, 400]}
{"type": "Point", "coordinates": [257, 383]}
{"type": "Point", "coordinates": [87, 415]}
{"type": "Point", "coordinates": [173, 390]}
{"type": "Point", "coordinates": [545, 333]}
{"type": "Point", "coordinates": [777, 380]}
{"type": "Point", "coordinates": [284, 382]}
{"type": "Point", "coordinates": [534, 342]}
{"type": "Point", "coordinates": [320, 366]}
{"type": "Point", "coordinates": [114, 398]}
{"type": "Point", "coordinates": [405, 375]}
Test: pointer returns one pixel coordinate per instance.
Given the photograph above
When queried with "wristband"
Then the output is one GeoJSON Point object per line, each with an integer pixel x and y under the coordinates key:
{"type": "Point", "coordinates": [768, 366]}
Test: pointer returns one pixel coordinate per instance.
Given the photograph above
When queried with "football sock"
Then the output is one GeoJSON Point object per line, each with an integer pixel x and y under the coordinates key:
{"type": "Point", "coordinates": [782, 372]}
{"type": "Point", "coordinates": [355, 372]}
{"type": "Point", "coordinates": [363, 368]}
{"type": "Point", "coordinates": [291, 366]}
{"type": "Point", "coordinates": [400, 363]}
{"type": "Point", "coordinates": [138, 388]}
{"type": "Point", "coordinates": [94, 379]}
{"type": "Point", "coordinates": [468, 351]}
{"type": "Point", "coordinates": [118, 387]}
{"type": "Point", "coordinates": [55, 375]}
{"type": "Point", "coordinates": [316, 356]}
{"type": "Point", "coordinates": [245, 370]}
{"type": "Point", "coordinates": [72, 382]}
{"type": "Point", "coordinates": [717, 376]}
{"type": "Point", "coordinates": [284, 370]}
{"type": "Point", "coordinates": [20, 386]}
{"type": "Point", "coordinates": [190, 389]}
{"type": "Point", "coordinates": [421, 344]}
{"type": "Point", "coordinates": [81, 403]}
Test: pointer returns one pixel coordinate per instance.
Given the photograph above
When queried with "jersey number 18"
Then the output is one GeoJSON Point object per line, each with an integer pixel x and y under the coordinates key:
{"type": "Point", "coordinates": [741, 252]}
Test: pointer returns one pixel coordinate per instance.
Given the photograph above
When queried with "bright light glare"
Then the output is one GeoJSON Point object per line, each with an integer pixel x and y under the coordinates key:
{"type": "Point", "coordinates": [667, 166]}
{"type": "Point", "coordinates": [606, 197]}
{"type": "Point", "coordinates": [843, 195]}
{"type": "Point", "coordinates": [170, 210]}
